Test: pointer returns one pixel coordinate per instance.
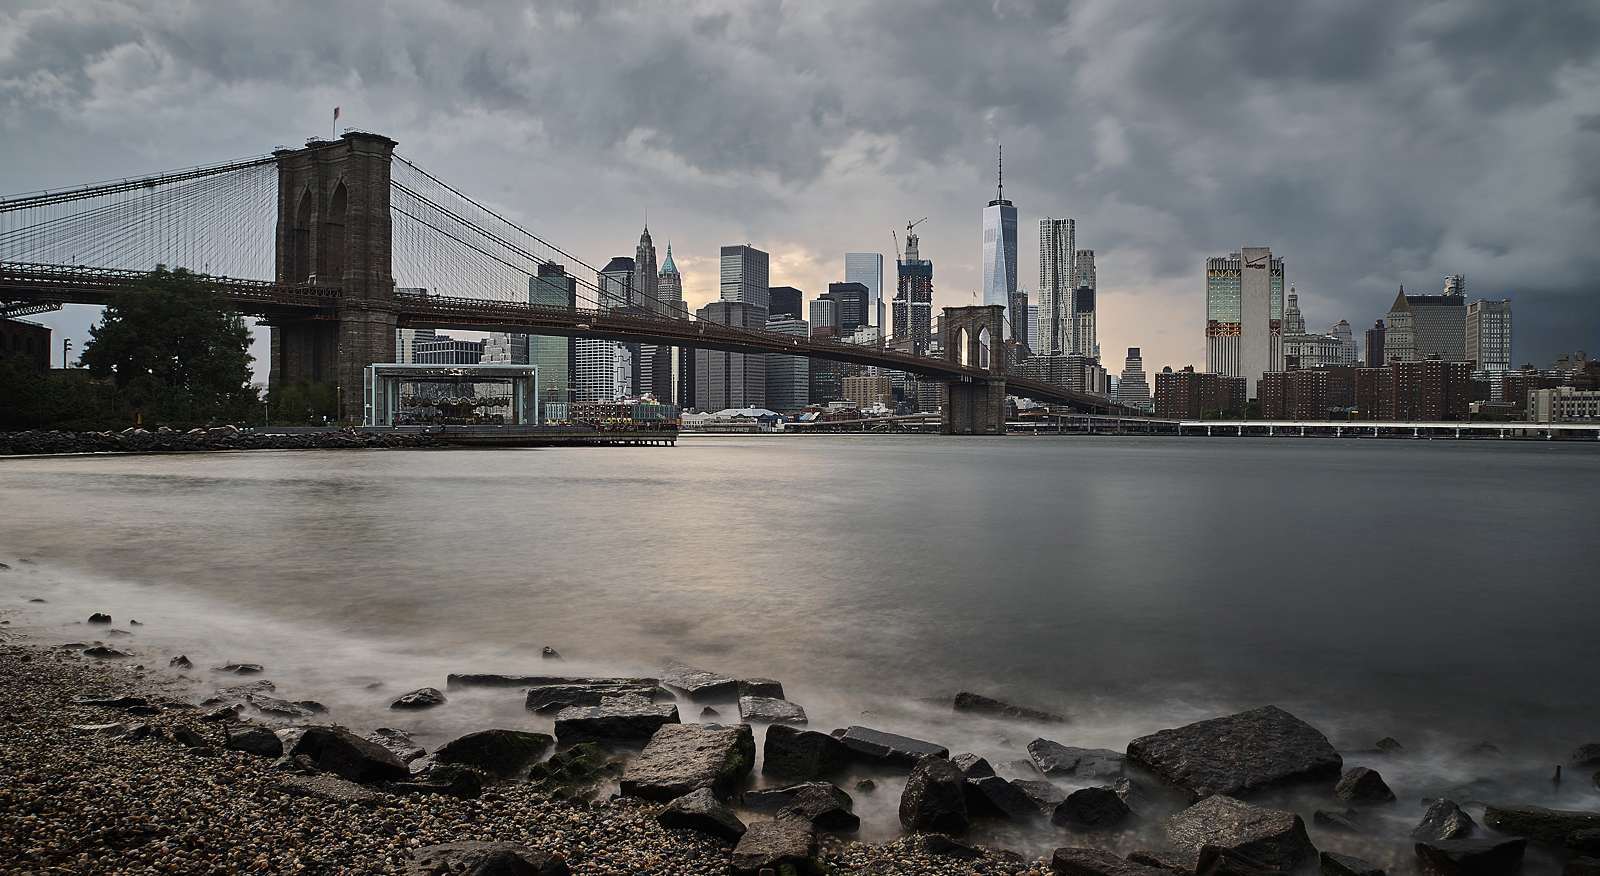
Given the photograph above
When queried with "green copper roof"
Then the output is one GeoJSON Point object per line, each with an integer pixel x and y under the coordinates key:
{"type": "Point", "coordinates": [667, 267]}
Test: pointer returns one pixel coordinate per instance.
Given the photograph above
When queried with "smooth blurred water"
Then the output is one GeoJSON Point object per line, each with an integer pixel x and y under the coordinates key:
{"type": "Point", "coordinates": [1441, 592]}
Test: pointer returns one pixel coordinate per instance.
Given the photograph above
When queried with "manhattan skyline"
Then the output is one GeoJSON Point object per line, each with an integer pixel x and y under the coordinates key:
{"type": "Point", "coordinates": [1370, 146]}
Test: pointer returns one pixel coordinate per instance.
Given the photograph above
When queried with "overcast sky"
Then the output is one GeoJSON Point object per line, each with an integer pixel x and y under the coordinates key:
{"type": "Point", "coordinates": [1370, 143]}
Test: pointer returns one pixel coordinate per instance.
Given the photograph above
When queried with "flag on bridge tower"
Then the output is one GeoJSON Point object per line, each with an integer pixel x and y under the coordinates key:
{"type": "Point", "coordinates": [336, 114]}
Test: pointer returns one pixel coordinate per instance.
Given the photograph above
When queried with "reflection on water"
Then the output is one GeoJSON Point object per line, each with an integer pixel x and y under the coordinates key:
{"type": "Point", "coordinates": [1434, 591]}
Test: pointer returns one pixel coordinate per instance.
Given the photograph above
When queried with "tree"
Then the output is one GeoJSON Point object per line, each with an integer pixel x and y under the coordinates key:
{"type": "Point", "coordinates": [172, 343]}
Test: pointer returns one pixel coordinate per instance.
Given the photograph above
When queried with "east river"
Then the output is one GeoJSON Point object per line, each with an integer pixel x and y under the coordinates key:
{"type": "Point", "coordinates": [1442, 592]}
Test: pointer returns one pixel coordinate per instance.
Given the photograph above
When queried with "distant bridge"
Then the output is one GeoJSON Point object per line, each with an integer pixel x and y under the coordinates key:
{"type": "Point", "coordinates": [333, 306]}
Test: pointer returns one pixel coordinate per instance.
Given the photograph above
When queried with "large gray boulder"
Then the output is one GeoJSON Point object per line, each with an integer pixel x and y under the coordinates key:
{"type": "Point", "coordinates": [1044, 795]}
{"type": "Point", "coordinates": [934, 798]}
{"type": "Point", "coordinates": [699, 685]}
{"type": "Point", "coordinates": [683, 758]}
{"type": "Point", "coordinates": [825, 807]}
{"type": "Point", "coordinates": [700, 810]}
{"type": "Point", "coordinates": [1499, 856]}
{"type": "Point", "coordinates": [1092, 809]}
{"type": "Point", "coordinates": [497, 752]}
{"type": "Point", "coordinates": [337, 750]}
{"type": "Point", "coordinates": [1094, 862]}
{"type": "Point", "coordinates": [552, 698]}
{"type": "Point", "coordinates": [1587, 755]}
{"type": "Point", "coordinates": [1537, 822]}
{"type": "Point", "coordinates": [876, 746]}
{"type": "Point", "coordinates": [1363, 785]}
{"type": "Point", "coordinates": [770, 710]}
{"type": "Point", "coordinates": [627, 719]}
{"type": "Point", "coordinates": [1055, 759]}
{"type": "Point", "coordinates": [978, 704]}
{"type": "Point", "coordinates": [1238, 754]}
{"type": "Point", "coordinates": [1271, 836]}
{"type": "Point", "coordinates": [760, 687]}
{"type": "Point", "coordinates": [802, 754]}
{"type": "Point", "coordinates": [772, 845]}
{"type": "Point", "coordinates": [253, 739]}
{"type": "Point", "coordinates": [481, 858]}
{"type": "Point", "coordinates": [994, 797]}
{"type": "Point", "coordinates": [1444, 820]}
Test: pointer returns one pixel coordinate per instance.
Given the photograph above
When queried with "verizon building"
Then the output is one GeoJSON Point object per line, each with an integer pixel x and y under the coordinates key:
{"type": "Point", "coordinates": [1244, 315]}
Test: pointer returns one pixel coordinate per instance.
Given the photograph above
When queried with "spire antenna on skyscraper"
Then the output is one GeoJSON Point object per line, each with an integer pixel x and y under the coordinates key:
{"type": "Point", "coordinates": [1001, 193]}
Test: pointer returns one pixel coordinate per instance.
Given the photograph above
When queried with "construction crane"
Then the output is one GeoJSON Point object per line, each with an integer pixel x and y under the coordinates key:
{"type": "Point", "coordinates": [909, 234]}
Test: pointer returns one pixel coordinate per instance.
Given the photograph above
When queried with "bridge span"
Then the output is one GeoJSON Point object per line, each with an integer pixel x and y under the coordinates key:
{"type": "Point", "coordinates": [333, 305]}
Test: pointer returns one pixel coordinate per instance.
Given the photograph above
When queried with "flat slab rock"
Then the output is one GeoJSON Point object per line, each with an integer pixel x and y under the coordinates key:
{"type": "Point", "coordinates": [337, 750]}
{"type": "Point", "coordinates": [977, 704]}
{"type": "Point", "coordinates": [1055, 759]}
{"type": "Point", "coordinates": [624, 719]}
{"type": "Point", "coordinates": [485, 858]}
{"type": "Point", "coordinates": [888, 748]}
{"type": "Point", "coordinates": [1537, 822]}
{"type": "Point", "coordinates": [1093, 862]}
{"type": "Point", "coordinates": [1238, 754]}
{"type": "Point", "coordinates": [699, 685]}
{"type": "Point", "coordinates": [769, 710]}
{"type": "Point", "coordinates": [325, 787]}
{"type": "Point", "coordinates": [683, 758]}
{"type": "Point", "coordinates": [1271, 836]}
{"type": "Point", "coordinates": [1345, 865]}
{"type": "Point", "coordinates": [545, 698]}
{"type": "Point", "coordinates": [460, 680]}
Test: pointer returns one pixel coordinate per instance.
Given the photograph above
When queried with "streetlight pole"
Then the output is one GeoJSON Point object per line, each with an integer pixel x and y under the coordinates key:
{"type": "Point", "coordinates": [66, 344]}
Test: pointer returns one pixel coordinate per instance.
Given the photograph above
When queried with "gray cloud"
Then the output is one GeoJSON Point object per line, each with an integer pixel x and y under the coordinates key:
{"type": "Point", "coordinates": [1370, 143]}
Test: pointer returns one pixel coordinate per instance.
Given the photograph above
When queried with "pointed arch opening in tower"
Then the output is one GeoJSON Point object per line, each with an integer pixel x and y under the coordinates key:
{"type": "Point", "coordinates": [963, 347]}
{"type": "Point", "coordinates": [983, 347]}
{"type": "Point", "coordinates": [301, 266]}
{"type": "Point", "coordinates": [335, 233]}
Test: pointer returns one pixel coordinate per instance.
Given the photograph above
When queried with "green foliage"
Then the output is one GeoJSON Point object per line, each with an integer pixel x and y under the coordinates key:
{"type": "Point", "coordinates": [173, 347]}
{"type": "Point", "coordinates": [69, 400]}
{"type": "Point", "coordinates": [304, 403]}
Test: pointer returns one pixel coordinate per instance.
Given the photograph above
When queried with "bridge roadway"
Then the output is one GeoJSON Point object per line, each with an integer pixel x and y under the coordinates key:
{"type": "Point", "coordinates": [68, 284]}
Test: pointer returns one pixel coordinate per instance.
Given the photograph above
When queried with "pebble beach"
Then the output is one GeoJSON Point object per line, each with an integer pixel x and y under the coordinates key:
{"type": "Point", "coordinates": [75, 800]}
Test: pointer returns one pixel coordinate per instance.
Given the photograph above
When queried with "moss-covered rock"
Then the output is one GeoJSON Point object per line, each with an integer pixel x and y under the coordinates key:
{"type": "Point", "coordinates": [583, 764]}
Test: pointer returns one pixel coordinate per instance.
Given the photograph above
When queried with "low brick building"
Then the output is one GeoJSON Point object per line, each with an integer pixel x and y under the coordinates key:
{"type": "Point", "coordinates": [25, 341]}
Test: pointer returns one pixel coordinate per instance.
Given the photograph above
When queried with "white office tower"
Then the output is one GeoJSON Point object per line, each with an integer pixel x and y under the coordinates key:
{"type": "Point", "coordinates": [405, 343]}
{"type": "Point", "coordinates": [1000, 249]}
{"type": "Point", "coordinates": [602, 371]}
{"type": "Point", "coordinates": [1349, 350]}
{"type": "Point", "coordinates": [1033, 328]}
{"type": "Point", "coordinates": [1057, 282]}
{"type": "Point", "coordinates": [1244, 315]}
{"type": "Point", "coordinates": [1085, 341]}
{"type": "Point", "coordinates": [1133, 390]}
{"type": "Point", "coordinates": [866, 268]}
{"type": "Point", "coordinates": [1489, 334]}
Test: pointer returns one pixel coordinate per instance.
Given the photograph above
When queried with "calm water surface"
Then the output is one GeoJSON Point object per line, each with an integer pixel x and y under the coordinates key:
{"type": "Point", "coordinates": [1442, 592]}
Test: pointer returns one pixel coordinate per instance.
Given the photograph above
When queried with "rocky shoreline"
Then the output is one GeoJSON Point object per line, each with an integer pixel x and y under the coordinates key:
{"type": "Point", "coordinates": [164, 440]}
{"type": "Point", "coordinates": [119, 762]}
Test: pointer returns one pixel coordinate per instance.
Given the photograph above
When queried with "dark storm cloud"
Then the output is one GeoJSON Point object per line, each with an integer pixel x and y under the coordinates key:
{"type": "Point", "coordinates": [1370, 143]}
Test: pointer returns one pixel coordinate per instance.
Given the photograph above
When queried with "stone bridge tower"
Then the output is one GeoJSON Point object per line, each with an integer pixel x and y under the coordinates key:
{"type": "Point", "coordinates": [334, 229]}
{"type": "Point", "coordinates": [975, 336]}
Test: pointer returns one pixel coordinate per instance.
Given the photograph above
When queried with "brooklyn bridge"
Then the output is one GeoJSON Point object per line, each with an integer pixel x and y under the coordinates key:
{"type": "Point", "coordinates": [351, 233]}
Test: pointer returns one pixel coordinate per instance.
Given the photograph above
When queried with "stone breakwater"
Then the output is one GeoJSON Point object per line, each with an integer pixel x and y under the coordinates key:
{"type": "Point", "coordinates": [115, 766]}
{"type": "Point", "coordinates": [164, 440]}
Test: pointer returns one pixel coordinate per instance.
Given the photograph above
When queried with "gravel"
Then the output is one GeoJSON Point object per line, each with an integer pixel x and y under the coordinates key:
{"type": "Point", "coordinates": [76, 801]}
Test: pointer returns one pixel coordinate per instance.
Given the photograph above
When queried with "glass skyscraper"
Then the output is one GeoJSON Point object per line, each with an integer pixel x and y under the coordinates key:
{"type": "Point", "coordinates": [1244, 315]}
{"type": "Point", "coordinates": [744, 276]}
{"type": "Point", "coordinates": [1000, 249]}
{"type": "Point", "coordinates": [866, 268]}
